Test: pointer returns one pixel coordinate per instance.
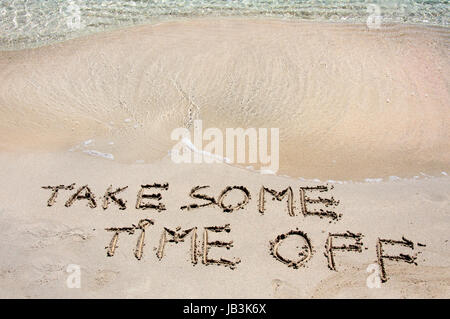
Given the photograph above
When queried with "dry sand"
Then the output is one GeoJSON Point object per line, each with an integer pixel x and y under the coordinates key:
{"type": "Point", "coordinates": [374, 103]}
{"type": "Point", "coordinates": [39, 241]}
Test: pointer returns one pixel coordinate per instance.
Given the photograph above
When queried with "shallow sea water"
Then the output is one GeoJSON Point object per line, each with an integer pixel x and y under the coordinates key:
{"type": "Point", "coordinates": [31, 23]}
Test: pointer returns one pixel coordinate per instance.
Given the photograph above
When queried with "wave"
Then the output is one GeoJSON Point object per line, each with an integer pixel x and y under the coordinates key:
{"type": "Point", "coordinates": [350, 103]}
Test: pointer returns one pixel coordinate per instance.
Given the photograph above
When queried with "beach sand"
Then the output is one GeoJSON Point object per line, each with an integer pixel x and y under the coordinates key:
{"type": "Point", "coordinates": [367, 109]}
{"type": "Point", "coordinates": [40, 241]}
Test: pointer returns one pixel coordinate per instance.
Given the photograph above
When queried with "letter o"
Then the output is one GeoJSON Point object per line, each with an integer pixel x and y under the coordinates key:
{"type": "Point", "coordinates": [230, 208]}
{"type": "Point", "coordinates": [305, 254]}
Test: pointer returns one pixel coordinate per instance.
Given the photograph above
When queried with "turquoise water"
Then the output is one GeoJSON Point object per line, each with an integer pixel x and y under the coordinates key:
{"type": "Point", "coordinates": [30, 23]}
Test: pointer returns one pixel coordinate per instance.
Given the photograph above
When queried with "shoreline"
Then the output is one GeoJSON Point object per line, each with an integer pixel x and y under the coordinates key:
{"type": "Point", "coordinates": [88, 182]}
{"type": "Point", "coordinates": [134, 86]}
{"type": "Point", "coordinates": [256, 17]}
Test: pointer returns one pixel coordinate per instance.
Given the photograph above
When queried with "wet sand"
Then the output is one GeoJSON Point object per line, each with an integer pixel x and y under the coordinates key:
{"type": "Point", "coordinates": [350, 103]}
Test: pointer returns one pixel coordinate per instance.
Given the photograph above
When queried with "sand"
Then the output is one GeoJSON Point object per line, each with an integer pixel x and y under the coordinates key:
{"type": "Point", "coordinates": [338, 93]}
{"type": "Point", "coordinates": [40, 241]}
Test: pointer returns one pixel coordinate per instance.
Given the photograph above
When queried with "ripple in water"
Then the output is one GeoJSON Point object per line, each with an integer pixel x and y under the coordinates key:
{"type": "Point", "coordinates": [30, 23]}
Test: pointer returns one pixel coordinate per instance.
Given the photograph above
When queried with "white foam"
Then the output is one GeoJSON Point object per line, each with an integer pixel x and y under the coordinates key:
{"type": "Point", "coordinates": [187, 142]}
{"type": "Point", "coordinates": [99, 154]}
{"type": "Point", "coordinates": [331, 181]}
{"type": "Point", "coordinates": [373, 180]}
{"type": "Point", "coordinates": [88, 142]}
{"type": "Point", "coordinates": [267, 171]}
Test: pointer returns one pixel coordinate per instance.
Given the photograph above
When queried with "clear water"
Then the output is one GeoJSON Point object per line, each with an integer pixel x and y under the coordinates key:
{"type": "Point", "coordinates": [30, 23]}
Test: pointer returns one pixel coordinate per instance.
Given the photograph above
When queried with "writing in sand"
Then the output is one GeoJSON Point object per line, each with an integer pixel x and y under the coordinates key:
{"type": "Point", "coordinates": [149, 197]}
